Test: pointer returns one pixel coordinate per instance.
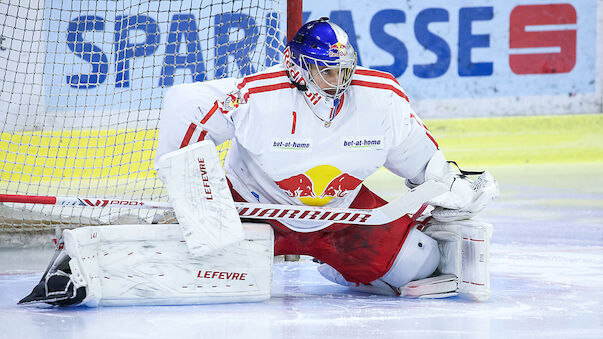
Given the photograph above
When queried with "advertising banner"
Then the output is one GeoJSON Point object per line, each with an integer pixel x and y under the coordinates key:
{"type": "Point", "coordinates": [516, 57]}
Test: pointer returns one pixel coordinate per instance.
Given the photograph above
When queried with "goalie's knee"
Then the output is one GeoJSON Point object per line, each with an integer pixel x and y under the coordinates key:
{"type": "Point", "coordinates": [418, 258]}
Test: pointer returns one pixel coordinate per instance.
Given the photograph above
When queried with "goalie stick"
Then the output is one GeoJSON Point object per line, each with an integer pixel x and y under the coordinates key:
{"type": "Point", "coordinates": [412, 202]}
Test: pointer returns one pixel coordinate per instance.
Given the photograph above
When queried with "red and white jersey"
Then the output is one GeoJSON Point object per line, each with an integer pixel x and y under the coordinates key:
{"type": "Point", "coordinates": [283, 153]}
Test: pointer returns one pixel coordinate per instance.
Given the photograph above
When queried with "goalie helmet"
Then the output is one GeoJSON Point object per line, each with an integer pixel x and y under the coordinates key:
{"type": "Point", "coordinates": [321, 62]}
{"type": "Point", "coordinates": [324, 46]}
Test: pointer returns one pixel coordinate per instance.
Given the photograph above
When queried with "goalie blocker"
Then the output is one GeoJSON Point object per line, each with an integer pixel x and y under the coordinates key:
{"type": "Point", "coordinates": [151, 265]}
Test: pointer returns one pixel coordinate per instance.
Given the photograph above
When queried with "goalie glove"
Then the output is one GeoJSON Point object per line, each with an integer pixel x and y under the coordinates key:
{"type": "Point", "coordinates": [465, 197]}
{"type": "Point", "coordinates": [480, 192]}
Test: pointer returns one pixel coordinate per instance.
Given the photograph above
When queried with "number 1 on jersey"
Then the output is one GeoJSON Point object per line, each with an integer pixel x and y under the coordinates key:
{"type": "Point", "coordinates": [294, 122]}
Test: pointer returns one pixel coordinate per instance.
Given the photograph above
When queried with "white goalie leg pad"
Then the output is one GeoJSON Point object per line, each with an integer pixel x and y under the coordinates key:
{"type": "Point", "coordinates": [151, 265]}
{"type": "Point", "coordinates": [464, 261]}
{"type": "Point", "coordinates": [201, 198]}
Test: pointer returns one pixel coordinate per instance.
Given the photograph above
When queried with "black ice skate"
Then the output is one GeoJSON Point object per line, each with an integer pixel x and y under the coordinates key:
{"type": "Point", "coordinates": [56, 287]}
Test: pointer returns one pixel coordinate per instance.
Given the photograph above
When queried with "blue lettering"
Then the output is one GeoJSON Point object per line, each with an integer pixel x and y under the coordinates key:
{"type": "Point", "coordinates": [432, 42]}
{"type": "Point", "coordinates": [468, 41]}
{"type": "Point", "coordinates": [182, 25]}
{"type": "Point", "coordinates": [344, 20]}
{"type": "Point", "coordinates": [389, 43]}
{"type": "Point", "coordinates": [124, 50]}
{"type": "Point", "coordinates": [87, 51]}
{"type": "Point", "coordinates": [239, 49]}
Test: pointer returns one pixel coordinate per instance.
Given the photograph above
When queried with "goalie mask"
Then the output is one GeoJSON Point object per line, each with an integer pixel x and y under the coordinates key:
{"type": "Point", "coordinates": [321, 62]}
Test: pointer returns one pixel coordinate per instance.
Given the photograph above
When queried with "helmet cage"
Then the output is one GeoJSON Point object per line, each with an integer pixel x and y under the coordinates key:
{"type": "Point", "coordinates": [344, 67]}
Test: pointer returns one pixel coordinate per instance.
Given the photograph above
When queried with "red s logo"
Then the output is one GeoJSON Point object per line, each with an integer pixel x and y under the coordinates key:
{"type": "Point", "coordinates": [522, 35]}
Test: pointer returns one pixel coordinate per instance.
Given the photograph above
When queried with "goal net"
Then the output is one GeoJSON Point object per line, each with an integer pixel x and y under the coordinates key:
{"type": "Point", "coordinates": [81, 91]}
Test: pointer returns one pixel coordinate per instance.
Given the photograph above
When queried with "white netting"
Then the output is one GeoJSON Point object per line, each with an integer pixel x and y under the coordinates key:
{"type": "Point", "coordinates": [81, 90]}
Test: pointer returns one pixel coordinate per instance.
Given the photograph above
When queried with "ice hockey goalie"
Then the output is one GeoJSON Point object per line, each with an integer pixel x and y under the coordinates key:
{"type": "Point", "coordinates": [306, 132]}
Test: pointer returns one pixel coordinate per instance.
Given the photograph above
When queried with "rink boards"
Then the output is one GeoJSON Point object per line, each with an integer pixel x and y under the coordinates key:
{"type": "Point", "coordinates": [128, 154]}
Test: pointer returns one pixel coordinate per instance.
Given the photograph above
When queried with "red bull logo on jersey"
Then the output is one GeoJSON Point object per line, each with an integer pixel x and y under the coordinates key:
{"type": "Point", "coordinates": [232, 101]}
{"type": "Point", "coordinates": [298, 186]}
{"type": "Point", "coordinates": [319, 185]}
{"type": "Point", "coordinates": [340, 186]}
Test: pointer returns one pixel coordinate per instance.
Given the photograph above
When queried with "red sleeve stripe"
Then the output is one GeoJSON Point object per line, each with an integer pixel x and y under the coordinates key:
{"type": "Point", "coordinates": [188, 135]}
{"type": "Point", "coordinates": [262, 76]}
{"type": "Point", "coordinates": [202, 135]}
{"type": "Point", "coordinates": [374, 73]}
{"type": "Point", "coordinates": [379, 85]}
{"type": "Point", "coordinates": [210, 113]}
{"type": "Point", "coordinates": [418, 121]}
{"type": "Point", "coordinates": [432, 139]}
{"type": "Point", "coordinates": [426, 130]}
{"type": "Point", "coordinates": [268, 88]}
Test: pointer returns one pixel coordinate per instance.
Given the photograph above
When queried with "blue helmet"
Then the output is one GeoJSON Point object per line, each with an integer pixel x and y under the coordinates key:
{"type": "Point", "coordinates": [321, 56]}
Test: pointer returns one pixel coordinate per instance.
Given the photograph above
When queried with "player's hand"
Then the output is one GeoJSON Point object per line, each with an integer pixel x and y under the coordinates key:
{"type": "Point", "coordinates": [465, 198]}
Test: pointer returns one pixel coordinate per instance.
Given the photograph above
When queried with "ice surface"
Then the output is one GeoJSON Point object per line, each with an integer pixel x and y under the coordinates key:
{"type": "Point", "coordinates": [546, 272]}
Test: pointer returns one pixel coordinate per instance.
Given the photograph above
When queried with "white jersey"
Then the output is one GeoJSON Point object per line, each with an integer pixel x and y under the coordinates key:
{"type": "Point", "coordinates": [282, 153]}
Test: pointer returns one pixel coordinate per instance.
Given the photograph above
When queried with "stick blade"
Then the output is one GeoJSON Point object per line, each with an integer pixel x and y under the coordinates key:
{"type": "Point", "coordinates": [412, 201]}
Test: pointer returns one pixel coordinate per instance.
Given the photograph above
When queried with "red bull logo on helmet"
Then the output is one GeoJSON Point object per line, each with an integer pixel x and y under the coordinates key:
{"type": "Point", "coordinates": [319, 185]}
{"type": "Point", "coordinates": [337, 50]}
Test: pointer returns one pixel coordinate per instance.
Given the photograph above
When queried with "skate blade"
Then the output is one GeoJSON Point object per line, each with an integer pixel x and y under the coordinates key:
{"type": "Point", "coordinates": [38, 296]}
{"type": "Point", "coordinates": [30, 301]}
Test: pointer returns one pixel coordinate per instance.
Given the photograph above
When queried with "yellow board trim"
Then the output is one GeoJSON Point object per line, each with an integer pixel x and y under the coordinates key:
{"type": "Point", "coordinates": [85, 154]}
{"type": "Point", "coordinates": [33, 156]}
{"type": "Point", "coordinates": [521, 140]}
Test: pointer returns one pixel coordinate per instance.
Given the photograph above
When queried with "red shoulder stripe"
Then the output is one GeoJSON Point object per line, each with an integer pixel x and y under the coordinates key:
{"type": "Point", "coordinates": [380, 85]}
{"type": "Point", "coordinates": [374, 73]}
{"type": "Point", "coordinates": [262, 76]}
{"type": "Point", "coordinates": [268, 88]}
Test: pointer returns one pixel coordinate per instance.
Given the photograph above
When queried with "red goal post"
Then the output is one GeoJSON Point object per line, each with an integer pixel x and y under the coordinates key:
{"type": "Point", "coordinates": [81, 88]}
